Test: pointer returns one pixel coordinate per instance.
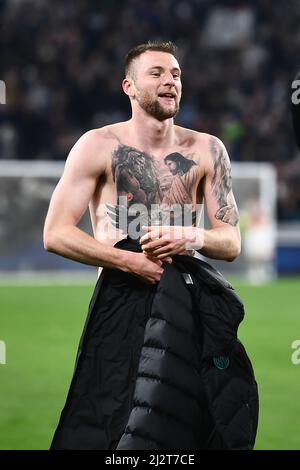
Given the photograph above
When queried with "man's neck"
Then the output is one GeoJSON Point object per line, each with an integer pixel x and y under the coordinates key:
{"type": "Point", "coordinates": [151, 134]}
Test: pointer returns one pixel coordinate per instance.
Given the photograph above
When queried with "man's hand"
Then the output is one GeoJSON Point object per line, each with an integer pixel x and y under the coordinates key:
{"type": "Point", "coordinates": [148, 268]}
{"type": "Point", "coordinates": [164, 241]}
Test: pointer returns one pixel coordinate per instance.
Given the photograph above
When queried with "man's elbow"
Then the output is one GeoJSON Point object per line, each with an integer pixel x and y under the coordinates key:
{"type": "Point", "coordinates": [235, 251]}
{"type": "Point", "coordinates": [49, 241]}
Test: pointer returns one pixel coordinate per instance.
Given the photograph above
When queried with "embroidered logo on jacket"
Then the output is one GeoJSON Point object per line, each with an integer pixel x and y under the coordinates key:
{"type": "Point", "coordinates": [221, 362]}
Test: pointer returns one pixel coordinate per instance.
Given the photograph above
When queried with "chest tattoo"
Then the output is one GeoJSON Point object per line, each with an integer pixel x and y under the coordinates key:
{"type": "Point", "coordinates": [160, 189]}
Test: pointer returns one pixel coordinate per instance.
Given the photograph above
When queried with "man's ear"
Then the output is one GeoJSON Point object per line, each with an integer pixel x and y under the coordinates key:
{"type": "Point", "coordinates": [128, 87]}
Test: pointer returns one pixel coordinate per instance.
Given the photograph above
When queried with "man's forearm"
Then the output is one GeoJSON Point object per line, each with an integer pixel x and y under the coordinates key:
{"type": "Point", "coordinates": [220, 243]}
{"type": "Point", "coordinates": [73, 243]}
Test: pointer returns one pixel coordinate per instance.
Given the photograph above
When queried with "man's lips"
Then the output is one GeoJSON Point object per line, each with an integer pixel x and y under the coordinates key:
{"type": "Point", "coordinates": [168, 99]}
{"type": "Point", "coordinates": [166, 95]}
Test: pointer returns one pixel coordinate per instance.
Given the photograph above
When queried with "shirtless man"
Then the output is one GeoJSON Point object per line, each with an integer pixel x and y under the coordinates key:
{"type": "Point", "coordinates": [129, 159]}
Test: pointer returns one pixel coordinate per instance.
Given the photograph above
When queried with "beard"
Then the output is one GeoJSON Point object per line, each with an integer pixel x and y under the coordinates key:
{"type": "Point", "coordinates": [155, 109]}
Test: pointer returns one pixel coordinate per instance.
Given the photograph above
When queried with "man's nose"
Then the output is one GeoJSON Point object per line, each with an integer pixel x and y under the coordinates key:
{"type": "Point", "coordinates": [169, 79]}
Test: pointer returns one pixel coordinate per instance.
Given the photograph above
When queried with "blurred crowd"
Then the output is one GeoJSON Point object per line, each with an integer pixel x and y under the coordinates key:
{"type": "Point", "coordinates": [62, 63]}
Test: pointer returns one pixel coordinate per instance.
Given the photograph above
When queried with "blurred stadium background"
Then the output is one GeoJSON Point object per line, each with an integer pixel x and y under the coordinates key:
{"type": "Point", "coordinates": [62, 64]}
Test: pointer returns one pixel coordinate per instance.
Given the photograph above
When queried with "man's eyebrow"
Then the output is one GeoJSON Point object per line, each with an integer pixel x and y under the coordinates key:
{"type": "Point", "coordinates": [162, 68]}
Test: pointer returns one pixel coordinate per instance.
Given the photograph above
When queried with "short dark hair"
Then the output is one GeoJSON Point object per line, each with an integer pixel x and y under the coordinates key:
{"type": "Point", "coordinates": [167, 46]}
{"type": "Point", "coordinates": [182, 163]}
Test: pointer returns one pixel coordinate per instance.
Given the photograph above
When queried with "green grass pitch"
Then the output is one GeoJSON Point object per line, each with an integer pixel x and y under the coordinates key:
{"type": "Point", "coordinates": [41, 327]}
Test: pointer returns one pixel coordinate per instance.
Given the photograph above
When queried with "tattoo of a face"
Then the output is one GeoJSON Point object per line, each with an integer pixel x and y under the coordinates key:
{"type": "Point", "coordinates": [222, 184]}
{"type": "Point", "coordinates": [135, 176]}
{"type": "Point", "coordinates": [141, 179]}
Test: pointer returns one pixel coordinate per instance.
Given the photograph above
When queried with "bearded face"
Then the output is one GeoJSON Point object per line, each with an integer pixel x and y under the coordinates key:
{"type": "Point", "coordinates": [154, 84]}
{"type": "Point", "coordinates": [160, 107]}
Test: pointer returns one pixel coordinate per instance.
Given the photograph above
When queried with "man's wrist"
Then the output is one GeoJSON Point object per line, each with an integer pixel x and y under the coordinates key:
{"type": "Point", "coordinates": [127, 260]}
{"type": "Point", "coordinates": [196, 240]}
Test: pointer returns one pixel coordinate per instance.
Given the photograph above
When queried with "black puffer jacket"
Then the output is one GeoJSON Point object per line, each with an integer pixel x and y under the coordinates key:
{"type": "Point", "coordinates": [160, 367]}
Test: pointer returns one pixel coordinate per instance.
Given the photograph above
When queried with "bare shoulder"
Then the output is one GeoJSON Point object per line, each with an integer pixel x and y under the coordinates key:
{"type": "Point", "coordinates": [113, 133]}
{"type": "Point", "coordinates": [209, 147]}
{"type": "Point", "coordinates": [91, 151]}
{"type": "Point", "coordinates": [98, 139]}
{"type": "Point", "coordinates": [191, 138]}
{"type": "Point", "coordinates": [215, 151]}
{"type": "Point", "coordinates": [186, 137]}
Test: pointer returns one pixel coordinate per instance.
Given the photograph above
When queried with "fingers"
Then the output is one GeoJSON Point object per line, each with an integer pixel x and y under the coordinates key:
{"type": "Point", "coordinates": [162, 250]}
{"type": "Point", "coordinates": [154, 246]}
{"type": "Point", "coordinates": [151, 240]}
{"type": "Point", "coordinates": [171, 252]}
{"type": "Point", "coordinates": [151, 234]}
{"type": "Point", "coordinates": [154, 259]}
{"type": "Point", "coordinates": [162, 258]}
{"type": "Point", "coordinates": [154, 232]}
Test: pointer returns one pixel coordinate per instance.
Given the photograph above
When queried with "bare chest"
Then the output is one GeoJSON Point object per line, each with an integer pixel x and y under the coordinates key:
{"type": "Point", "coordinates": [147, 179]}
{"type": "Point", "coordinates": [151, 184]}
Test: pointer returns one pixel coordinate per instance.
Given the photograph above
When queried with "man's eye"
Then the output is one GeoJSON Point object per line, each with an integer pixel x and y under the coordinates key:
{"type": "Point", "coordinates": [155, 73]}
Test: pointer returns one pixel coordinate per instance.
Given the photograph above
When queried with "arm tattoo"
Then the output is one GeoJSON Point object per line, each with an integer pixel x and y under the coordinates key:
{"type": "Point", "coordinates": [222, 185]}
